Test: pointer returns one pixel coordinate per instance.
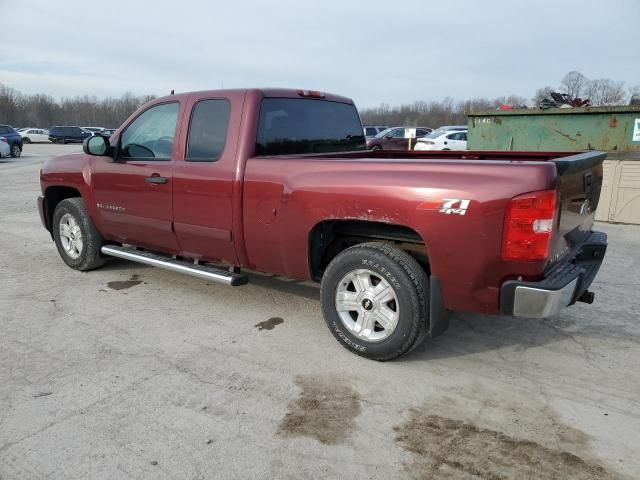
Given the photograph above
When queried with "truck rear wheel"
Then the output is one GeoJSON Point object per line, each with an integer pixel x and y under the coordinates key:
{"type": "Point", "coordinates": [77, 239]}
{"type": "Point", "coordinates": [374, 300]}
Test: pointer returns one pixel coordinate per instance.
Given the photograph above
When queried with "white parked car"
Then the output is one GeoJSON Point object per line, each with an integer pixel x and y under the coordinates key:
{"type": "Point", "coordinates": [5, 150]}
{"type": "Point", "coordinates": [93, 130]}
{"type": "Point", "coordinates": [30, 135]}
{"type": "Point", "coordinates": [439, 140]}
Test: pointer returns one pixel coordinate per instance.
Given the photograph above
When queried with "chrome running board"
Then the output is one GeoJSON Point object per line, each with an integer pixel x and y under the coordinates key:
{"type": "Point", "coordinates": [201, 271]}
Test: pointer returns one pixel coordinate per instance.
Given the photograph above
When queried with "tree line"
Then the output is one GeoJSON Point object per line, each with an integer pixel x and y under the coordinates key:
{"type": "Point", "coordinates": [600, 92]}
{"type": "Point", "coordinates": [40, 110]}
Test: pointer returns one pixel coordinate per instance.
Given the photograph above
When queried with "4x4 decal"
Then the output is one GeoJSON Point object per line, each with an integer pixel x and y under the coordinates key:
{"type": "Point", "coordinates": [448, 206]}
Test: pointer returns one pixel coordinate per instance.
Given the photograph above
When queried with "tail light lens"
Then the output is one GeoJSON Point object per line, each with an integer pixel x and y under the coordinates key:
{"type": "Point", "coordinates": [427, 142]}
{"type": "Point", "coordinates": [528, 226]}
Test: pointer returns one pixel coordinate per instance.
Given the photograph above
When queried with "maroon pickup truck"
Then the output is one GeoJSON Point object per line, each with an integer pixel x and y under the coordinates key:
{"type": "Point", "coordinates": [280, 181]}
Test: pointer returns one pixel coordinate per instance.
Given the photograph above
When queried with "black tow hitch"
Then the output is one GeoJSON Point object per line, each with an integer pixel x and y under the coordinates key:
{"type": "Point", "coordinates": [587, 297]}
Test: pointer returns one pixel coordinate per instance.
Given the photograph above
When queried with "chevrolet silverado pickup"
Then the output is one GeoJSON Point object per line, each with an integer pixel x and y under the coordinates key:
{"type": "Point", "coordinates": [280, 181]}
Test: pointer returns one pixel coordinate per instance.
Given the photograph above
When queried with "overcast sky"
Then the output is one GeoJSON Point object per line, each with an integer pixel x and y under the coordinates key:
{"type": "Point", "coordinates": [373, 51]}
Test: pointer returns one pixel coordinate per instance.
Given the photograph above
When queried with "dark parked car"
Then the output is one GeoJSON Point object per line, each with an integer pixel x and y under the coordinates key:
{"type": "Point", "coordinates": [14, 139]}
{"type": "Point", "coordinates": [68, 134]}
{"type": "Point", "coordinates": [394, 139]}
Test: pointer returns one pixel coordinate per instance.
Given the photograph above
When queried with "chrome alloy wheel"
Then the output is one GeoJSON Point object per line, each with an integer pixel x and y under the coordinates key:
{"type": "Point", "coordinates": [70, 236]}
{"type": "Point", "coordinates": [367, 305]}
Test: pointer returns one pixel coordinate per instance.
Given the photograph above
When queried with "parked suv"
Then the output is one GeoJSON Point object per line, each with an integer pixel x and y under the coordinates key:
{"type": "Point", "coordinates": [68, 134]}
{"type": "Point", "coordinates": [13, 139]}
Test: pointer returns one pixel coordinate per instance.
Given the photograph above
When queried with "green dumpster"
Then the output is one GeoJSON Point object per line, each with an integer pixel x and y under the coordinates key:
{"type": "Point", "coordinates": [615, 130]}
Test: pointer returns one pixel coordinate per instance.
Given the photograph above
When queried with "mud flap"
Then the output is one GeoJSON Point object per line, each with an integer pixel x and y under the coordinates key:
{"type": "Point", "coordinates": [438, 314]}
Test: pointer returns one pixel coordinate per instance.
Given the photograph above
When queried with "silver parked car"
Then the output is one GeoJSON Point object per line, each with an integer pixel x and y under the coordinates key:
{"type": "Point", "coordinates": [5, 150]}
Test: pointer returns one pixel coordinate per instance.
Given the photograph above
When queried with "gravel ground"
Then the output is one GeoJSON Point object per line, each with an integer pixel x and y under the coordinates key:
{"type": "Point", "coordinates": [134, 372]}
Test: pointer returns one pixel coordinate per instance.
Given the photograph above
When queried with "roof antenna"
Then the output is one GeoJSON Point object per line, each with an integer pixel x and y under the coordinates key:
{"type": "Point", "coordinates": [172, 91]}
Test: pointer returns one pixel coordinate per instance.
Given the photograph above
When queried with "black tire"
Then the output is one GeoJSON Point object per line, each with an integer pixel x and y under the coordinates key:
{"type": "Point", "coordinates": [26, 140]}
{"type": "Point", "coordinates": [376, 147]}
{"type": "Point", "coordinates": [16, 150]}
{"type": "Point", "coordinates": [89, 255]}
{"type": "Point", "coordinates": [409, 283]}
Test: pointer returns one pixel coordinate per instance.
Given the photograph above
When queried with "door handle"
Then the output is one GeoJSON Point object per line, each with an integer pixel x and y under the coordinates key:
{"type": "Point", "coordinates": [156, 179]}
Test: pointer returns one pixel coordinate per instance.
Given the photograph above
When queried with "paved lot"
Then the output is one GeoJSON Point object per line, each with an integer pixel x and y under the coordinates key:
{"type": "Point", "coordinates": [134, 372]}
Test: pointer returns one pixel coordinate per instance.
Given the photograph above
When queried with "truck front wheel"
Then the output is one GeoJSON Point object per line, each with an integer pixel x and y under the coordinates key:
{"type": "Point", "coordinates": [77, 239]}
{"type": "Point", "coordinates": [374, 300]}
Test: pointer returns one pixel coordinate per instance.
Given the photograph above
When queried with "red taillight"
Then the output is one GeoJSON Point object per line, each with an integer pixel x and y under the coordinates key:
{"type": "Point", "coordinates": [528, 226]}
{"type": "Point", "coordinates": [310, 93]}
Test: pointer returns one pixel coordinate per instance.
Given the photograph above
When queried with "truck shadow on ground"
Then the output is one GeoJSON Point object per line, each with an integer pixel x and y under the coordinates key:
{"type": "Point", "coordinates": [468, 333]}
{"type": "Point", "coordinates": [475, 333]}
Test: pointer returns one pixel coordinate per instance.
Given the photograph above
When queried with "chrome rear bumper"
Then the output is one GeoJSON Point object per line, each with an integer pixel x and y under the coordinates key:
{"type": "Point", "coordinates": [564, 283]}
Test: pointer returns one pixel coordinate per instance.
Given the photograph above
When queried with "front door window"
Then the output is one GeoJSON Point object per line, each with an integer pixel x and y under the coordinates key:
{"type": "Point", "coordinates": [150, 136]}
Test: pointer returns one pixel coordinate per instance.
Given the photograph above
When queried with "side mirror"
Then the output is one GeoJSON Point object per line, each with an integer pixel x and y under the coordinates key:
{"type": "Point", "coordinates": [388, 136]}
{"type": "Point", "coordinates": [96, 145]}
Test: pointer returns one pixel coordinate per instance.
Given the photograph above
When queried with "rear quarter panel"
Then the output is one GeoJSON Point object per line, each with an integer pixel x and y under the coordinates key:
{"type": "Point", "coordinates": [285, 197]}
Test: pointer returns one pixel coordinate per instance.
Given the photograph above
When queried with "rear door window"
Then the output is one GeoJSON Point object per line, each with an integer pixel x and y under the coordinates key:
{"type": "Point", "coordinates": [208, 130]}
{"type": "Point", "coordinates": [297, 126]}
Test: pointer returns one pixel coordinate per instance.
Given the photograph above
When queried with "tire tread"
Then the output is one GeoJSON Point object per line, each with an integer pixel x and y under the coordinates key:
{"type": "Point", "coordinates": [418, 279]}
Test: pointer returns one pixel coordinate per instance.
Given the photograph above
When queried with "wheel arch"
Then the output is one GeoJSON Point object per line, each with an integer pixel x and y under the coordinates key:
{"type": "Point", "coordinates": [329, 237]}
{"type": "Point", "coordinates": [53, 195]}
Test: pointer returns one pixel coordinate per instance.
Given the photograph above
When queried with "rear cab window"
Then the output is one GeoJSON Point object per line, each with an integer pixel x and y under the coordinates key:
{"type": "Point", "coordinates": [289, 126]}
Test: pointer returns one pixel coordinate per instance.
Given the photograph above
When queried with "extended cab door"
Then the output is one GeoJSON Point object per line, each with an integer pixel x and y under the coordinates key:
{"type": "Point", "coordinates": [133, 192]}
{"type": "Point", "coordinates": [204, 177]}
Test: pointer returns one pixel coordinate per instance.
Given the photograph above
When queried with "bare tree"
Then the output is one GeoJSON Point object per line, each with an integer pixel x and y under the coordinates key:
{"type": "Point", "coordinates": [433, 114]}
{"type": "Point", "coordinates": [43, 111]}
{"type": "Point", "coordinates": [541, 94]}
{"type": "Point", "coordinates": [573, 84]}
{"type": "Point", "coordinates": [10, 100]}
{"type": "Point", "coordinates": [604, 91]}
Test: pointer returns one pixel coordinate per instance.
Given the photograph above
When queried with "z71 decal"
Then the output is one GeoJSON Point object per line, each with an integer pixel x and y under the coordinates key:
{"type": "Point", "coordinates": [448, 206]}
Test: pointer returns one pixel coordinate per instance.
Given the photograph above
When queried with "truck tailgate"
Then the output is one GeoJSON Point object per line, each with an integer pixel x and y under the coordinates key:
{"type": "Point", "coordinates": [579, 185]}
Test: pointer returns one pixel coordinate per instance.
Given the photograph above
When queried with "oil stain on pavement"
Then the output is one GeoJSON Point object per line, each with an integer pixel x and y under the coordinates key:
{"type": "Point", "coordinates": [269, 324]}
{"type": "Point", "coordinates": [325, 409]}
{"type": "Point", "coordinates": [124, 284]}
{"type": "Point", "coordinates": [447, 442]}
